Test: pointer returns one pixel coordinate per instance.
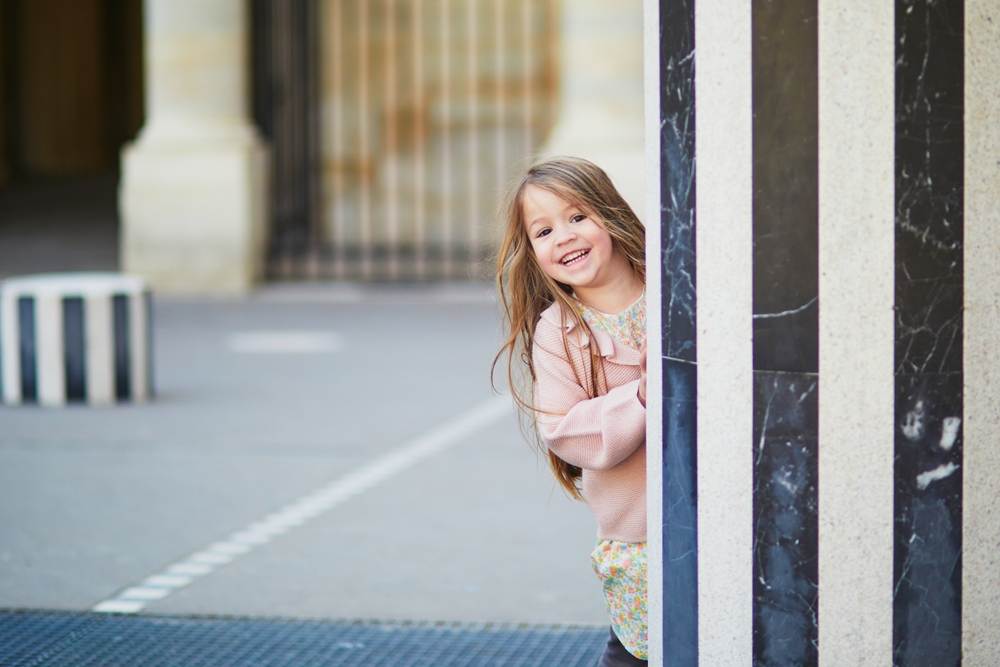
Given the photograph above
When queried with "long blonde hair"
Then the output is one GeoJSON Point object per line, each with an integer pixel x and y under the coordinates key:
{"type": "Point", "coordinates": [525, 290]}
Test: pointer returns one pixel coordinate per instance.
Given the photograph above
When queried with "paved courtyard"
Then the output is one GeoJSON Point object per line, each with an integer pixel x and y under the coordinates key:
{"type": "Point", "coordinates": [262, 400]}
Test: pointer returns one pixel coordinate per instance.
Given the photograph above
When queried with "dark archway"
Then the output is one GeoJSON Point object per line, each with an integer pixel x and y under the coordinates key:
{"type": "Point", "coordinates": [71, 94]}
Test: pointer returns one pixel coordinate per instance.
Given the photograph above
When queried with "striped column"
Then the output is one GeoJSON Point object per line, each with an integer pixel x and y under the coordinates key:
{"type": "Point", "coordinates": [75, 338]}
{"type": "Point", "coordinates": [825, 179]}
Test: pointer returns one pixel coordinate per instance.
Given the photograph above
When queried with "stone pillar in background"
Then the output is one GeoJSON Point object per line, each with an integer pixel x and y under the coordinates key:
{"type": "Point", "coordinates": [600, 91]}
{"type": "Point", "coordinates": [193, 193]}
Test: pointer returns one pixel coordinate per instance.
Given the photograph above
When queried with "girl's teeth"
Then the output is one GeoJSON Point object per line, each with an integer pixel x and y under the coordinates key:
{"type": "Point", "coordinates": [574, 258]}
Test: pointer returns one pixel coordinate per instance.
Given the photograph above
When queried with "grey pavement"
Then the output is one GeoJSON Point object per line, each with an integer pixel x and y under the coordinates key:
{"type": "Point", "coordinates": [95, 500]}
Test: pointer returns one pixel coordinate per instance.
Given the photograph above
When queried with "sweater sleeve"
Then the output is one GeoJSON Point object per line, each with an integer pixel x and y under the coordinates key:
{"type": "Point", "coordinates": [592, 433]}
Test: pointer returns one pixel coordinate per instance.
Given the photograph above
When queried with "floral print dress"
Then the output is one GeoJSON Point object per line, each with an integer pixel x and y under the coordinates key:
{"type": "Point", "coordinates": [621, 566]}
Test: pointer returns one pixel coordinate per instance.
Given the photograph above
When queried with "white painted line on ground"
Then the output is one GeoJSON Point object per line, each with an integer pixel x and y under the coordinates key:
{"type": "Point", "coordinates": [190, 569]}
{"type": "Point", "coordinates": [119, 607]}
{"type": "Point", "coordinates": [167, 581]}
{"type": "Point", "coordinates": [144, 593]}
{"type": "Point", "coordinates": [243, 541]}
{"type": "Point", "coordinates": [285, 342]}
{"type": "Point", "coordinates": [209, 558]}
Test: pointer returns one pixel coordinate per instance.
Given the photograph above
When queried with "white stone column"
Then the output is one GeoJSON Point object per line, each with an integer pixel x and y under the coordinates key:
{"type": "Point", "coordinates": [193, 193]}
{"type": "Point", "coordinates": [601, 91]}
{"type": "Point", "coordinates": [856, 335]}
{"type": "Point", "coordinates": [981, 501]}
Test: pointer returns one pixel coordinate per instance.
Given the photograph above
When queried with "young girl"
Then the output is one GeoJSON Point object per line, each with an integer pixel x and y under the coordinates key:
{"type": "Point", "coordinates": [572, 276]}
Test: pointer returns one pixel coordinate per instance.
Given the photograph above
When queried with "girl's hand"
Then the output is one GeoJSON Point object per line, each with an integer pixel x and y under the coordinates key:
{"type": "Point", "coordinates": [642, 374]}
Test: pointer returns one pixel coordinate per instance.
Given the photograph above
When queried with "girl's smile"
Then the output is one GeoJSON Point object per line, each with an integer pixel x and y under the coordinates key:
{"type": "Point", "coordinates": [573, 247]}
{"type": "Point", "coordinates": [574, 257]}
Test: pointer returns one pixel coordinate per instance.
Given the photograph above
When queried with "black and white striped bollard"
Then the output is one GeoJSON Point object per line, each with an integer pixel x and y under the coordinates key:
{"type": "Point", "coordinates": [75, 337]}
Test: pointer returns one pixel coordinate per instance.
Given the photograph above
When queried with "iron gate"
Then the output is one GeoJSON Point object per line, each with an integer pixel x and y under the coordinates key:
{"type": "Point", "coordinates": [285, 84]}
{"type": "Point", "coordinates": [395, 124]}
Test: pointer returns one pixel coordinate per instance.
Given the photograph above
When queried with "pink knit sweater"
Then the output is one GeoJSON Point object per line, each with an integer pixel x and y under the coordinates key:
{"type": "Point", "coordinates": [605, 436]}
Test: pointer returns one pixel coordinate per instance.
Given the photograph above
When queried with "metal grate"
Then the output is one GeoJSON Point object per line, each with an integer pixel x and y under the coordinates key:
{"type": "Point", "coordinates": [41, 638]}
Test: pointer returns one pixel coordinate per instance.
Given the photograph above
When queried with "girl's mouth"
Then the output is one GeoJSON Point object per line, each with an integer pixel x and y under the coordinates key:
{"type": "Point", "coordinates": [575, 257]}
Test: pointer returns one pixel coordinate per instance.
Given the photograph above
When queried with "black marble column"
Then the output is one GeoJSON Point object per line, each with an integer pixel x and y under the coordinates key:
{"type": "Point", "coordinates": [785, 333]}
{"type": "Point", "coordinates": [677, 220]}
{"type": "Point", "coordinates": [927, 618]}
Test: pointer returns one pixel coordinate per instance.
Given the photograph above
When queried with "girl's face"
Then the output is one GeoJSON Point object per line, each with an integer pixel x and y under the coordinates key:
{"type": "Point", "coordinates": [571, 244]}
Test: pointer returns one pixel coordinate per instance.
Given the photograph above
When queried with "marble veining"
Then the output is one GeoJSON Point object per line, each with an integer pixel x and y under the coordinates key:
{"type": "Point", "coordinates": [929, 185]}
{"type": "Point", "coordinates": [785, 186]}
{"type": "Point", "coordinates": [680, 515]}
{"type": "Point", "coordinates": [785, 554]}
{"type": "Point", "coordinates": [927, 602]}
{"type": "Point", "coordinates": [677, 220]}
{"type": "Point", "coordinates": [677, 206]}
{"type": "Point", "coordinates": [928, 536]}
{"type": "Point", "coordinates": [785, 333]}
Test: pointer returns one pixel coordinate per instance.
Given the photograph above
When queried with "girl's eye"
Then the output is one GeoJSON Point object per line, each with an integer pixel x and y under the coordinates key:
{"type": "Point", "coordinates": [578, 217]}
{"type": "Point", "coordinates": [543, 232]}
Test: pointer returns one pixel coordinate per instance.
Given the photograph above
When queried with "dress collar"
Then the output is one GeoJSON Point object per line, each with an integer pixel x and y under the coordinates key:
{"type": "Point", "coordinates": [606, 345]}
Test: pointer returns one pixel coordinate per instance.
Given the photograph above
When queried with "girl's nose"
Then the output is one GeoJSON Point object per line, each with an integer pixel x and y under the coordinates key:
{"type": "Point", "coordinates": [565, 235]}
